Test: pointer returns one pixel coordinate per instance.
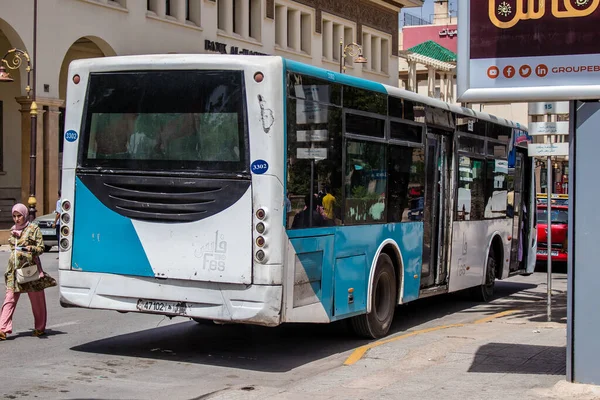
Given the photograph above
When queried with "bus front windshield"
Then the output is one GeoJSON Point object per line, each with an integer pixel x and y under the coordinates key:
{"type": "Point", "coordinates": [165, 120]}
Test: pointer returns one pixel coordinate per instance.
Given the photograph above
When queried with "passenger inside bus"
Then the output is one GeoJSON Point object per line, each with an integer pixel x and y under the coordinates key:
{"type": "Point", "coordinates": [302, 218]}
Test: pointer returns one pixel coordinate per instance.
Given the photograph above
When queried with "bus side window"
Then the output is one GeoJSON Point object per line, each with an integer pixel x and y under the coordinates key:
{"type": "Point", "coordinates": [406, 172]}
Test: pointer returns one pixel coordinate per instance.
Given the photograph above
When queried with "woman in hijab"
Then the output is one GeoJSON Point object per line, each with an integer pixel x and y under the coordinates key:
{"type": "Point", "coordinates": [28, 239]}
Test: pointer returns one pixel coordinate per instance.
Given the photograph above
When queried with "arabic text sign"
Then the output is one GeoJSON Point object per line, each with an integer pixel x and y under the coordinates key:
{"type": "Point", "coordinates": [448, 32]}
{"type": "Point", "coordinates": [319, 135]}
{"type": "Point", "coordinates": [548, 149]}
{"type": "Point", "coordinates": [549, 128]}
{"type": "Point", "coordinates": [526, 48]}
{"type": "Point", "coordinates": [311, 154]}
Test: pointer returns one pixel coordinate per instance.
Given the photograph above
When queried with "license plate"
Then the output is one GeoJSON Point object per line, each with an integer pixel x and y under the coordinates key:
{"type": "Point", "coordinates": [48, 232]}
{"type": "Point", "coordinates": [162, 307]}
{"type": "Point", "coordinates": [545, 253]}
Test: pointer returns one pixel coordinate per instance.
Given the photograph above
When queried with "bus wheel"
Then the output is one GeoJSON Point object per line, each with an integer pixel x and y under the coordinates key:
{"type": "Point", "coordinates": [383, 302]}
{"type": "Point", "coordinates": [485, 292]}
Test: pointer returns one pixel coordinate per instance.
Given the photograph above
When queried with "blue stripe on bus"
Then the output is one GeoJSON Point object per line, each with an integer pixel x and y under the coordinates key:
{"type": "Point", "coordinates": [331, 76]}
{"type": "Point", "coordinates": [105, 241]}
{"type": "Point", "coordinates": [351, 265]}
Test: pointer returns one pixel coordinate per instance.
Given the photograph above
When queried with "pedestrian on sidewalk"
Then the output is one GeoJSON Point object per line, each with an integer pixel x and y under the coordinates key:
{"type": "Point", "coordinates": [28, 237]}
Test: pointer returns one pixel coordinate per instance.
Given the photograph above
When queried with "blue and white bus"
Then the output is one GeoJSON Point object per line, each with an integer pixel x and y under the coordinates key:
{"type": "Point", "coordinates": [261, 190]}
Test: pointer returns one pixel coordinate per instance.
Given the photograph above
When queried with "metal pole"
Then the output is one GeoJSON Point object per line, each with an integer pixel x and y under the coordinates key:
{"type": "Point", "coordinates": [341, 56]}
{"type": "Point", "coordinates": [312, 196]}
{"type": "Point", "coordinates": [33, 113]}
{"type": "Point", "coordinates": [549, 234]}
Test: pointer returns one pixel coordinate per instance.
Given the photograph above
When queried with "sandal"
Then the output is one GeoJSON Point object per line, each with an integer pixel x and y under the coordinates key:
{"type": "Point", "coordinates": [2, 335]}
{"type": "Point", "coordinates": [38, 333]}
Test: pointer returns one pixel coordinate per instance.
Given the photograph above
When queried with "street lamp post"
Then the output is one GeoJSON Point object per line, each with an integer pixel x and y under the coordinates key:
{"type": "Point", "coordinates": [352, 50]}
{"type": "Point", "coordinates": [13, 59]}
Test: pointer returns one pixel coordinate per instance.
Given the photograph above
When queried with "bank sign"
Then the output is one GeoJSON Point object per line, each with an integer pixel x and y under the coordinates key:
{"type": "Point", "coordinates": [528, 50]}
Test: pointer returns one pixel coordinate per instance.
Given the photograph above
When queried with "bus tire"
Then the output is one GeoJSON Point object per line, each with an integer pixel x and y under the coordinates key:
{"type": "Point", "coordinates": [485, 292]}
{"type": "Point", "coordinates": [376, 323]}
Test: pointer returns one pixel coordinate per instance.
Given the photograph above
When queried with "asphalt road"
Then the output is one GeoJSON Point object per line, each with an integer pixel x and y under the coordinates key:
{"type": "Point", "coordinates": [92, 354]}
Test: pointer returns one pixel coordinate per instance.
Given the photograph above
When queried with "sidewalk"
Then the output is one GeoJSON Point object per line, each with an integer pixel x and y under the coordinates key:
{"type": "Point", "coordinates": [512, 353]}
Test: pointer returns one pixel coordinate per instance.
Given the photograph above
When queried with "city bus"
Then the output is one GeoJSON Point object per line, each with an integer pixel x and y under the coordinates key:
{"type": "Point", "coordinates": [260, 190]}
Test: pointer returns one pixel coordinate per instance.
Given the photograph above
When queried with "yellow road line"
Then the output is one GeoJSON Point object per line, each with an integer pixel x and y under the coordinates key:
{"type": "Point", "coordinates": [361, 351]}
{"type": "Point", "coordinates": [492, 317]}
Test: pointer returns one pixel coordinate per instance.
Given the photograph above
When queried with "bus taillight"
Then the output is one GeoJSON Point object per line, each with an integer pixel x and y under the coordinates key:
{"type": "Point", "coordinates": [261, 214]}
{"type": "Point", "coordinates": [261, 228]}
{"type": "Point", "coordinates": [65, 231]}
{"type": "Point", "coordinates": [66, 205]}
{"type": "Point", "coordinates": [64, 244]}
{"type": "Point", "coordinates": [66, 218]}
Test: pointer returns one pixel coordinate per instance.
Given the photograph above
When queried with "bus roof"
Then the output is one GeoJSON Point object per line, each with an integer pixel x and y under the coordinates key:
{"type": "Point", "coordinates": [394, 91]}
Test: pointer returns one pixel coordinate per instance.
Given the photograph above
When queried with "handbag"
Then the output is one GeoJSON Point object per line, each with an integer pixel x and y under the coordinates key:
{"type": "Point", "coordinates": [28, 272]}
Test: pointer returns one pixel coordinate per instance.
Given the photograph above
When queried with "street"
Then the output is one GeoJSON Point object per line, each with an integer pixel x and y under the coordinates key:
{"type": "Point", "coordinates": [95, 354]}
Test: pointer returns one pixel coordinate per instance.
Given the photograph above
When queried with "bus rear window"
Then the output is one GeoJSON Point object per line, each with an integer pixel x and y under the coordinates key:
{"type": "Point", "coordinates": [165, 120]}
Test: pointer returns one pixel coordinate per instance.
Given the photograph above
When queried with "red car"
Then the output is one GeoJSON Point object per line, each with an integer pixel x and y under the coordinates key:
{"type": "Point", "coordinates": [560, 220]}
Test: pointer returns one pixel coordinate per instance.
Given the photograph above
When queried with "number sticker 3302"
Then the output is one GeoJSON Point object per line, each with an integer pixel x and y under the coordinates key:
{"type": "Point", "coordinates": [259, 167]}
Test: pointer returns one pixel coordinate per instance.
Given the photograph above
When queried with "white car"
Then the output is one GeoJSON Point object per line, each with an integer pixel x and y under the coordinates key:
{"type": "Point", "coordinates": [48, 232]}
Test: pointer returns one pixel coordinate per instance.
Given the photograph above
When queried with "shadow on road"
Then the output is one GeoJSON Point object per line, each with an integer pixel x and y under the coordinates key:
{"type": "Point", "coordinates": [511, 358]}
{"type": "Point", "coordinates": [283, 348]}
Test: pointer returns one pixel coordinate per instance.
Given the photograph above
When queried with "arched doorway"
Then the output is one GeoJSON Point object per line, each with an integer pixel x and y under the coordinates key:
{"type": "Point", "coordinates": [84, 47]}
{"type": "Point", "coordinates": [11, 126]}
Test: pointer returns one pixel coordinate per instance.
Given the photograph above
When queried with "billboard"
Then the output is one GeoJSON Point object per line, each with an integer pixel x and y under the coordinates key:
{"type": "Point", "coordinates": [528, 50]}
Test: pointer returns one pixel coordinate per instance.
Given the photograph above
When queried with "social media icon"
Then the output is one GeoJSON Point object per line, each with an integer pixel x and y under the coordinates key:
{"type": "Point", "coordinates": [509, 71]}
{"type": "Point", "coordinates": [525, 71]}
{"type": "Point", "coordinates": [493, 72]}
{"type": "Point", "coordinates": [541, 70]}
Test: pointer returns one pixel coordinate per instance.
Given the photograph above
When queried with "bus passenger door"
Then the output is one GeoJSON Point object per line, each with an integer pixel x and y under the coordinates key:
{"type": "Point", "coordinates": [515, 201]}
{"type": "Point", "coordinates": [433, 269]}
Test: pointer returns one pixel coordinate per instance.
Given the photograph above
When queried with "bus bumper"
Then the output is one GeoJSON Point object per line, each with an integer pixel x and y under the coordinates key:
{"type": "Point", "coordinates": [254, 304]}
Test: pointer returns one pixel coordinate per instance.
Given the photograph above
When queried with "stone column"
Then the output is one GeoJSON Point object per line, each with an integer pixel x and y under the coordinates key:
{"type": "Point", "coordinates": [376, 54]}
{"type": "Point", "coordinates": [328, 40]}
{"type": "Point", "coordinates": [281, 26]}
{"type": "Point", "coordinates": [242, 10]}
{"type": "Point", "coordinates": [47, 140]}
{"type": "Point", "coordinates": [412, 76]}
{"type": "Point", "coordinates": [367, 51]}
{"type": "Point", "coordinates": [178, 9]}
{"type": "Point", "coordinates": [51, 166]}
{"type": "Point", "coordinates": [430, 82]}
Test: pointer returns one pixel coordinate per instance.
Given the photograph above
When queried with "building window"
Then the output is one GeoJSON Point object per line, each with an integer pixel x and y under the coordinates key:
{"type": "Point", "coordinates": [333, 32]}
{"type": "Point", "coordinates": [377, 51]}
{"type": "Point", "coordinates": [152, 5]}
{"type": "Point", "coordinates": [192, 12]}
{"type": "Point", "coordinates": [293, 29]}
{"type": "Point", "coordinates": [168, 10]}
{"type": "Point", "coordinates": [254, 20]}
{"type": "Point", "coordinates": [223, 15]}
{"type": "Point", "coordinates": [240, 17]}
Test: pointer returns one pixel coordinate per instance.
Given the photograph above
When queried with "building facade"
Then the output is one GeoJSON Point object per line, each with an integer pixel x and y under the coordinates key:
{"type": "Point", "coordinates": [309, 31]}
